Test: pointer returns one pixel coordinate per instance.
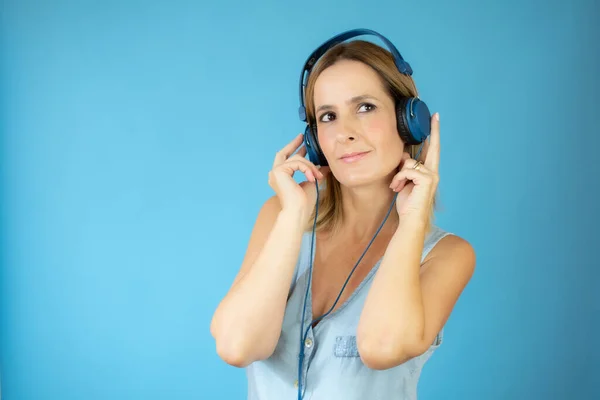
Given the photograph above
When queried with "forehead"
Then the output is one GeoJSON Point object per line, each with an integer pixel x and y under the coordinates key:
{"type": "Point", "coordinates": [346, 79]}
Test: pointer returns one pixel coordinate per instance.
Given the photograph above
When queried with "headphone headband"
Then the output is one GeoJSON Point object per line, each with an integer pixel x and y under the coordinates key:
{"type": "Point", "coordinates": [403, 66]}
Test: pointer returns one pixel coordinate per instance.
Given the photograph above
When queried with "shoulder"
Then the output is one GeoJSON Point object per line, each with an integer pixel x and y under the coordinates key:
{"type": "Point", "coordinates": [449, 248]}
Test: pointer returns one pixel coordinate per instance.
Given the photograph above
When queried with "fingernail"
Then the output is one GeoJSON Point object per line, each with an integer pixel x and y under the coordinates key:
{"type": "Point", "coordinates": [437, 116]}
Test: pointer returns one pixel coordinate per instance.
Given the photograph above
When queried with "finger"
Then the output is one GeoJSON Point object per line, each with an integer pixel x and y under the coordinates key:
{"type": "Point", "coordinates": [399, 184]}
{"type": "Point", "coordinates": [289, 167]}
{"type": "Point", "coordinates": [308, 168]}
{"type": "Point", "coordinates": [432, 159]}
{"type": "Point", "coordinates": [409, 174]}
{"type": "Point", "coordinates": [404, 192]}
{"type": "Point", "coordinates": [410, 163]}
{"type": "Point", "coordinates": [403, 178]}
{"type": "Point", "coordinates": [405, 160]}
{"type": "Point", "coordinates": [284, 153]}
{"type": "Point", "coordinates": [302, 151]}
{"type": "Point", "coordinates": [425, 149]}
{"type": "Point", "coordinates": [291, 147]}
{"type": "Point", "coordinates": [313, 167]}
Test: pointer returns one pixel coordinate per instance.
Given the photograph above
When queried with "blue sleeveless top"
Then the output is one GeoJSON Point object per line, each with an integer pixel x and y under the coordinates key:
{"type": "Point", "coordinates": [332, 368]}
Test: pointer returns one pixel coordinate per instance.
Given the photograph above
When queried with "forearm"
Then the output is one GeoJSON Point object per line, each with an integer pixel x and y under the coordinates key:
{"type": "Point", "coordinates": [248, 320]}
{"type": "Point", "coordinates": [392, 320]}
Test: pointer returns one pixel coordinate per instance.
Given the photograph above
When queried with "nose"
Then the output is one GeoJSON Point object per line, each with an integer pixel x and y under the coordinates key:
{"type": "Point", "coordinates": [349, 131]}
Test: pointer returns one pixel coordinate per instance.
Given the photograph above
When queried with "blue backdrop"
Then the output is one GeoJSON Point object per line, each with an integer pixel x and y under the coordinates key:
{"type": "Point", "coordinates": [136, 142]}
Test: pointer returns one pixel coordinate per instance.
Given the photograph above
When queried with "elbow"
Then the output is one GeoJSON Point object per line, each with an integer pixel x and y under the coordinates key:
{"type": "Point", "coordinates": [239, 354]}
{"type": "Point", "coordinates": [228, 347]}
{"type": "Point", "coordinates": [239, 345]}
{"type": "Point", "coordinates": [233, 354]}
{"type": "Point", "coordinates": [240, 351]}
{"type": "Point", "coordinates": [380, 354]}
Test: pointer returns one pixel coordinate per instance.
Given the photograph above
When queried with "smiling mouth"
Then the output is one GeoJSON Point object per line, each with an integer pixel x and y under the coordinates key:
{"type": "Point", "coordinates": [354, 157]}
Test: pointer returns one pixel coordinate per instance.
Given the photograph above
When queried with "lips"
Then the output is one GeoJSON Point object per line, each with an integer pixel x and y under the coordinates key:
{"type": "Point", "coordinates": [354, 156]}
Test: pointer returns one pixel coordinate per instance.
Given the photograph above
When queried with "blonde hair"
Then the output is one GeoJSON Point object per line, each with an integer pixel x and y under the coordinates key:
{"type": "Point", "coordinates": [397, 85]}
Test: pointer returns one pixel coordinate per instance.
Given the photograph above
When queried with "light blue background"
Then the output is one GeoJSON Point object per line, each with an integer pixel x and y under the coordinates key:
{"type": "Point", "coordinates": [136, 142]}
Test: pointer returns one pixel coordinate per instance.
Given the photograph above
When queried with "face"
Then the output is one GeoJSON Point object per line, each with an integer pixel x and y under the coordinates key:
{"type": "Point", "coordinates": [355, 114]}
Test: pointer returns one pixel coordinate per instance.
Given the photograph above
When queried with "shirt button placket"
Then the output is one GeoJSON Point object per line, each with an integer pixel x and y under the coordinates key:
{"type": "Point", "coordinates": [308, 345]}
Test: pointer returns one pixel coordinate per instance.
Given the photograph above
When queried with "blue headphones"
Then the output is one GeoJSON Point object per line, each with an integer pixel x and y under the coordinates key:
{"type": "Point", "coordinates": [412, 114]}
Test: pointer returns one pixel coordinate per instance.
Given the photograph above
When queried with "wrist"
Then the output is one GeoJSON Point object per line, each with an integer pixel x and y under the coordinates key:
{"type": "Point", "coordinates": [412, 223]}
{"type": "Point", "coordinates": [294, 216]}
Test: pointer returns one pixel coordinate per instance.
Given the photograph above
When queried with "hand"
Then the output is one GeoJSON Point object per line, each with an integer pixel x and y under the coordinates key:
{"type": "Point", "coordinates": [292, 195]}
{"type": "Point", "coordinates": [417, 187]}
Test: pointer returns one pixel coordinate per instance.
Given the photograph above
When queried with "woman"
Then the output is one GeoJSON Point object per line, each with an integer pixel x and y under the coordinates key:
{"type": "Point", "coordinates": [303, 316]}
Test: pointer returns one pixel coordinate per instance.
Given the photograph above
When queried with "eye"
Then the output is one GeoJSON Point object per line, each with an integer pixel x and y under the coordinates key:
{"type": "Point", "coordinates": [368, 107]}
{"type": "Point", "coordinates": [330, 115]}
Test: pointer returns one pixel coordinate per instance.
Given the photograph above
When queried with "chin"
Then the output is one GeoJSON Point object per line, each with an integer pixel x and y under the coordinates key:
{"type": "Point", "coordinates": [357, 177]}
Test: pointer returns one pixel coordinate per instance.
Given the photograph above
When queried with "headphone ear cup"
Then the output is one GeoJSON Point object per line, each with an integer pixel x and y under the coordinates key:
{"type": "Point", "coordinates": [315, 155]}
{"type": "Point", "coordinates": [402, 123]}
{"type": "Point", "coordinates": [413, 120]}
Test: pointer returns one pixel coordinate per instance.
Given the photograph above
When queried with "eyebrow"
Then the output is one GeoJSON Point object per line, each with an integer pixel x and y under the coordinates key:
{"type": "Point", "coordinates": [353, 100]}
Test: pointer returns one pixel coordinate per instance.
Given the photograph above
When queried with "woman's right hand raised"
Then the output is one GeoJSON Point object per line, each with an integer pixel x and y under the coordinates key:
{"type": "Point", "coordinates": [293, 196]}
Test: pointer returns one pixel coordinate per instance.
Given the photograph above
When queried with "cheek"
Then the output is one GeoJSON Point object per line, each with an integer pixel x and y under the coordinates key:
{"type": "Point", "coordinates": [383, 133]}
{"type": "Point", "coordinates": [377, 128]}
{"type": "Point", "coordinates": [325, 140]}
{"type": "Point", "coordinates": [385, 138]}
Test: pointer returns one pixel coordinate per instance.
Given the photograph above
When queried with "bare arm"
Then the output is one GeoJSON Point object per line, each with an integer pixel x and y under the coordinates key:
{"type": "Point", "coordinates": [408, 304]}
{"type": "Point", "coordinates": [247, 323]}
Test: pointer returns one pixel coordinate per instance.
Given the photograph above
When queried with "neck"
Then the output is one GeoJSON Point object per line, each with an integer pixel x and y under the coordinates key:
{"type": "Point", "coordinates": [365, 208]}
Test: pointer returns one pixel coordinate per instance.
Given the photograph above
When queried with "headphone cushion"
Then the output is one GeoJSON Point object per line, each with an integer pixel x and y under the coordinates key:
{"type": "Point", "coordinates": [315, 154]}
{"type": "Point", "coordinates": [402, 122]}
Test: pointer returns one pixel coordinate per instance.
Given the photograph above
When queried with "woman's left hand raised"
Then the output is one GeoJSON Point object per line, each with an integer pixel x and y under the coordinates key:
{"type": "Point", "coordinates": [416, 182]}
